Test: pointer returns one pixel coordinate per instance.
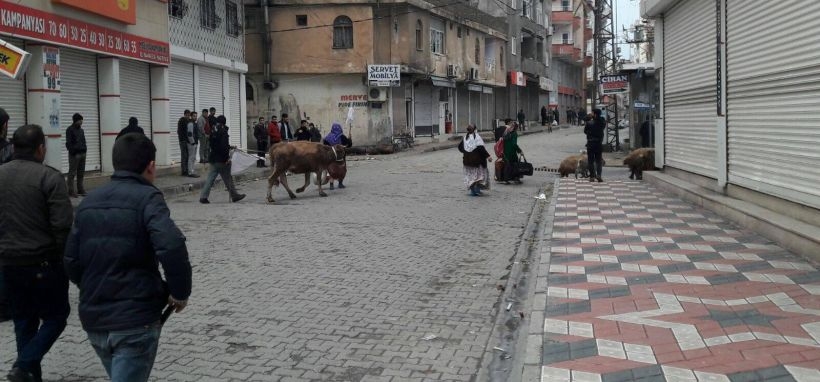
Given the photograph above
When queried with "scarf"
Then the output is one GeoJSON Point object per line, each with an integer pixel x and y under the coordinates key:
{"type": "Point", "coordinates": [335, 135]}
{"type": "Point", "coordinates": [471, 141]}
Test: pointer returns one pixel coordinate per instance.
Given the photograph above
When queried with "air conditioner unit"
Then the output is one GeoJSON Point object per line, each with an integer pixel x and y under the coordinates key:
{"type": "Point", "coordinates": [473, 74]}
{"type": "Point", "coordinates": [377, 95]}
{"type": "Point", "coordinates": [550, 30]}
{"type": "Point", "coordinates": [452, 71]}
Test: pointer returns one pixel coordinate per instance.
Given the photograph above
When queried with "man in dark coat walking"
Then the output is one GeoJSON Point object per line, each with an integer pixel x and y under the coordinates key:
{"type": "Point", "coordinates": [220, 162]}
{"type": "Point", "coordinates": [76, 146]}
{"type": "Point", "coordinates": [182, 136]}
{"type": "Point", "coordinates": [594, 130]}
{"type": "Point", "coordinates": [260, 133]}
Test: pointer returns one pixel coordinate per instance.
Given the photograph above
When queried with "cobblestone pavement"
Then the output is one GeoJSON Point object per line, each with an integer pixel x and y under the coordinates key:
{"type": "Point", "coordinates": [343, 288]}
{"type": "Point", "coordinates": [644, 287]}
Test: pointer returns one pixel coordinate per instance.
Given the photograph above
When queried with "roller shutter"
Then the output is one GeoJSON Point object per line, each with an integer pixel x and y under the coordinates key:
{"type": "Point", "coordinates": [236, 114]}
{"type": "Point", "coordinates": [78, 94]}
{"type": "Point", "coordinates": [181, 90]}
{"type": "Point", "coordinates": [210, 89]}
{"type": "Point", "coordinates": [13, 96]}
{"type": "Point", "coordinates": [135, 94]}
{"type": "Point", "coordinates": [474, 92]}
{"type": "Point", "coordinates": [773, 88]}
{"type": "Point", "coordinates": [690, 100]}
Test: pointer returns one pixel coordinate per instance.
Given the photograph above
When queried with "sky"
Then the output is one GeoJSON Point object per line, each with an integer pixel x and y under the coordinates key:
{"type": "Point", "coordinates": [626, 12]}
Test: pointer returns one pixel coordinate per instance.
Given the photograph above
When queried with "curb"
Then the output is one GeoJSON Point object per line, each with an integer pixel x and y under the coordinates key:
{"type": "Point", "coordinates": [176, 190]}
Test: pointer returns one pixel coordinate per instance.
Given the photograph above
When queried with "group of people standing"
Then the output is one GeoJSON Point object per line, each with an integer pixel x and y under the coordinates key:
{"type": "Point", "coordinates": [123, 228]}
{"type": "Point", "coordinates": [475, 157]}
{"type": "Point", "coordinates": [574, 117]}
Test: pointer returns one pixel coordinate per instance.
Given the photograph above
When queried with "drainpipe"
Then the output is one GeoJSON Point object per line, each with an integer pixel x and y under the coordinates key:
{"type": "Point", "coordinates": [264, 4]}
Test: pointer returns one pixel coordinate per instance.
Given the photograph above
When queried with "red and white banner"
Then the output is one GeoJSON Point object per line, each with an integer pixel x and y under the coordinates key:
{"type": "Point", "coordinates": [614, 84]}
{"type": "Point", "coordinates": [517, 78]}
{"type": "Point", "coordinates": [20, 21]}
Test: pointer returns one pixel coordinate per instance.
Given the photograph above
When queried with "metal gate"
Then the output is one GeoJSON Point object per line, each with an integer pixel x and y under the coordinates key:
{"type": "Point", "coordinates": [773, 88]}
{"type": "Point", "coordinates": [210, 89]}
{"type": "Point", "coordinates": [135, 94]}
{"type": "Point", "coordinates": [690, 75]}
{"type": "Point", "coordinates": [181, 90]}
{"type": "Point", "coordinates": [236, 132]}
{"type": "Point", "coordinates": [78, 94]}
{"type": "Point", "coordinates": [13, 98]}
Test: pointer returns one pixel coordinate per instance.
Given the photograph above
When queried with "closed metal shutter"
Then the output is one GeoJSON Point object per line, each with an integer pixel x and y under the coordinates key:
{"type": "Point", "coordinates": [135, 94]}
{"type": "Point", "coordinates": [78, 94]}
{"type": "Point", "coordinates": [424, 110]}
{"type": "Point", "coordinates": [236, 114]}
{"type": "Point", "coordinates": [181, 90]}
{"type": "Point", "coordinates": [13, 97]}
{"type": "Point", "coordinates": [210, 89]}
{"type": "Point", "coordinates": [772, 98]}
{"type": "Point", "coordinates": [475, 106]}
{"type": "Point", "coordinates": [690, 100]}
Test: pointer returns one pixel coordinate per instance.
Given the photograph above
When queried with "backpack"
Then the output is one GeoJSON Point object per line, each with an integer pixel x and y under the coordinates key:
{"type": "Point", "coordinates": [499, 147]}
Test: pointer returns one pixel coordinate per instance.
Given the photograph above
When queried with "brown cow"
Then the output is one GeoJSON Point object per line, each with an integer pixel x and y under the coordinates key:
{"type": "Point", "coordinates": [301, 157]}
{"type": "Point", "coordinates": [640, 160]}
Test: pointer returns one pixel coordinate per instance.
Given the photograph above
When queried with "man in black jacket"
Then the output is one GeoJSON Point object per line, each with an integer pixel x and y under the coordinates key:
{"type": "Point", "coordinates": [122, 232]}
{"type": "Point", "coordinates": [75, 144]}
{"type": "Point", "coordinates": [35, 216]}
{"type": "Point", "coordinates": [182, 136]}
{"type": "Point", "coordinates": [260, 133]}
{"type": "Point", "coordinates": [220, 162]}
{"type": "Point", "coordinates": [284, 128]}
{"type": "Point", "coordinates": [594, 130]}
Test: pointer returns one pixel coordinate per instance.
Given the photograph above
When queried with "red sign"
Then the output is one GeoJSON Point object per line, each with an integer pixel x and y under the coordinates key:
{"type": "Point", "coordinates": [120, 10]}
{"type": "Point", "coordinates": [22, 21]}
{"type": "Point", "coordinates": [517, 78]}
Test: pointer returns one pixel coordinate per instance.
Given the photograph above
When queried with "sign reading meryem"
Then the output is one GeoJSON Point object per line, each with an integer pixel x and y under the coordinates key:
{"type": "Point", "coordinates": [384, 75]}
{"type": "Point", "coordinates": [614, 84]}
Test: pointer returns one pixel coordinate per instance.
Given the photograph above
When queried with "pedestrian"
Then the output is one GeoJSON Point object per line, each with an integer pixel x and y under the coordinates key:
{"type": "Point", "coordinates": [315, 134]}
{"type": "Point", "coordinates": [582, 116]}
{"type": "Point", "coordinates": [36, 215]}
{"type": "Point", "coordinates": [220, 162]}
{"type": "Point", "coordinates": [302, 133]}
{"type": "Point", "coordinates": [212, 117]}
{"type": "Point", "coordinates": [521, 119]}
{"type": "Point", "coordinates": [338, 169]}
{"type": "Point", "coordinates": [500, 130]}
{"type": "Point", "coordinates": [274, 135]}
{"type": "Point", "coordinates": [646, 128]}
{"type": "Point", "coordinates": [594, 130]}
{"type": "Point", "coordinates": [76, 146]}
{"type": "Point", "coordinates": [133, 127]}
{"type": "Point", "coordinates": [555, 116]}
{"type": "Point", "coordinates": [192, 140]}
{"type": "Point", "coordinates": [260, 133]}
{"type": "Point", "coordinates": [474, 159]}
{"type": "Point", "coordinates": [511, 151]}
{"type": "Point", "coordinates": [6, 147]}
{"type": "Point", "coordinates": [543, 115]}
{"type": "Point", "coordinates": [204, 133]}
{"type": "Point", "coordinates": [116, 266]}
{"type": "Point", "coordinates": [182, 136]}
{"type": "Point", "coordinates": [284, 128]}
{"type": "Point", "coordinates": [569, 116]}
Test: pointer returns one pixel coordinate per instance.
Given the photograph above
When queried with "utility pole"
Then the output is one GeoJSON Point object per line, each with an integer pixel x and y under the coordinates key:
{"type": "Point", "coordinates": [606, 62]}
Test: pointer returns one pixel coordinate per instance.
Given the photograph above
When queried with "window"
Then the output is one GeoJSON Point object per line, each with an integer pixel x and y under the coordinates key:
{"type": "Point", "coordinates": [501, 59]}
{"type": "Point", "coordinates": [565, 6]}
{"type": "Point", "coordinates": [232, 26]}
{"type": "Point", "coordinates": [342, 33]}
{"type": "Point", "coordinates": [512, 4]}
{"type": "Point", "coordinates": [565, 39]}
{"type": "Point", "coordinates": [477, 52]}
{"type": "Point", "coordinates": [251, 21]}
{"type": "Point", "coordinates": [207, 15]}
{"type": "Point", "coordinates": [301, 20]}
{"type": "Point", "coordinates": [513, 43]}
{"type": "Point", "coordinates": [526, 9]}
{"type": "Point", "coordinates": [248, 91]}
{"type": "Point", "coordinates": [436, 41]}
{"type": "Point", "coordinates": [458, 32]}
{"type": "Point", "coordinates": [177, 8]}
{"type": "Point", "coordinates": [419, 36]}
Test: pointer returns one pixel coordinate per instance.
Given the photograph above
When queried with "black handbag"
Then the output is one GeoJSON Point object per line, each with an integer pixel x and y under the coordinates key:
{"type": "Point", "coordinates": [523, 167]}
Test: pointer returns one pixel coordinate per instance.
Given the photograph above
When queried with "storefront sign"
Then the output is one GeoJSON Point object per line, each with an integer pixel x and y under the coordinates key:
{"type": "Point", "coordinates": [518, 79]}
{"type": "Point", "coordinates": [353, 100]}
{"type": "Point", "coordinates": [384, 75]}
{"type": "Point", "coordinates": [13, 60]}
{"type": "Point", "coordinates": [38, 25]}
{"type": "Point", "coordinates": [614, 84]}
{"type": "Point", "coordinates": [545, 83]}
{"type": "Point", "coordinates": [120, 10]}
{"type": "Point", "coordinates": [51, 67]}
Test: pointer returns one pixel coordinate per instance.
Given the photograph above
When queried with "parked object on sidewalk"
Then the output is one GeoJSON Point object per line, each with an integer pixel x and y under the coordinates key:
{"type": "Point", "coordinates": [640, 160]}
{"type": "Point", "coordinates": [300, 157]}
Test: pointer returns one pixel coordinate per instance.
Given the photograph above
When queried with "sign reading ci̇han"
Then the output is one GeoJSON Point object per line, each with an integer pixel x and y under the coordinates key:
{"type": "Point", "coordinates": [121, 10]}
{"type": "Point", "coordinates": [13, 60]}
{"type": "Point", "coordinates": [18, 20]}
{"type": "Point", "coordinates": [384, 75]}
{"type": "Point", "coordinates": [614, 84]}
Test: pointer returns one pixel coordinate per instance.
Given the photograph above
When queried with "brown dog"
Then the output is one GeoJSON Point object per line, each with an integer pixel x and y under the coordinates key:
{"type": "Point", "coordinates": [640, 160]}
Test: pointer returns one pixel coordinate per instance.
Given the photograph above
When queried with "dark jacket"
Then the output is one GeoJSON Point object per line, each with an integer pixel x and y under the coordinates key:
{"type": "Point", "coordinates": [499, 132]}
{"type": "Point", "coordinates": [35, 213]}
{"type": "Point", "coordinates": [475, 158]}
{"type": "Point", "coordinates": [260, 132]}
{"type": "Point", "coordinates": [122, 232]}
{"type": "Point", "coordinates": [130, 129]}
{"type": "Point", "coordinates": [182, 129]}
{"type": "Point", "coordinates": [285, 131]}
{"type": "Point", "coordinates": [6, 151]}
{"type": "Point", "coordinates": [594, 129]}
{"type": "Point", "coordinates": [302, 134]}
{"type": "Point", "coordinates": [315, 135]}
{"type": "Point", "coordinates": [75, 140]}
{"type": "Point", "coordinates": [220, 145]}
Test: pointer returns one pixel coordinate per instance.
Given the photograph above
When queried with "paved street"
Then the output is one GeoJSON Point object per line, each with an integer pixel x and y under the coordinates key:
{"type": "Point", "coordinates": [344, 288]}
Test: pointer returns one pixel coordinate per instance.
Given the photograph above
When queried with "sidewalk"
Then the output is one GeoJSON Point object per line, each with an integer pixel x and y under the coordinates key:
{"type": "Point", "coordinates": [635, 285]}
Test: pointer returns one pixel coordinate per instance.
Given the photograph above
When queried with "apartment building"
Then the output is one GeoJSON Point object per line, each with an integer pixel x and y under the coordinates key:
{"type": "Point", "coordinates": [572, 23]}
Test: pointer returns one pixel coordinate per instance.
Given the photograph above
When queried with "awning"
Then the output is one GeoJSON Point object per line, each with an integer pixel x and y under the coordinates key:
{"type": "Point", "coordinates": [474, 88]}
{"type": "Point", "coordinates": [443, 82]}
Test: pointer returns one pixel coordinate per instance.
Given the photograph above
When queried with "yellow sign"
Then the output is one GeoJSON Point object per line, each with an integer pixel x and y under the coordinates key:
{"type": "Point", "coordinates": [13, 60]}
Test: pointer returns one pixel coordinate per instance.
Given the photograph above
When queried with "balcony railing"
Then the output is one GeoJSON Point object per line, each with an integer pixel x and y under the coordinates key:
{"type": "Point", "coordinates": [567, 52]}
{"type": "Point", "coordinates": [562, 17]}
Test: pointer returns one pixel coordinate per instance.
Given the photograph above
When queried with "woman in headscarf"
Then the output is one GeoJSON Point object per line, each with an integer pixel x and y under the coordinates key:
{"type": "Point", "coordinates": [511, 151]}
{"type": "Point", "coordinates": [337, 170]}
{"type": "Point", "coordinates": [475, 158]}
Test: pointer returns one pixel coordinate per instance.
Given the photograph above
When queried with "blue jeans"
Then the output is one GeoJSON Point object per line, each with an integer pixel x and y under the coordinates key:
{"type": "Point", "coordinates": [38, 295]}
{"type": "Point", "coordinates": [127, 355]}
{"type": "Point", "coordinates": [224, 171]}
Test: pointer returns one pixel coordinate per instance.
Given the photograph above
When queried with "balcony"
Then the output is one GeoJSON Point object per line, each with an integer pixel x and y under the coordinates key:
{"type": "Point", "coordinates": [562, 17]}
{"type": "Point", "coordinates": [587, 34]}
{"type": "Point", "coordinates": [576, 22]}
{"type": "Point", "coordinates": [533, 67]}
{"type": "Point", "coordinates": [566, 53]}
{"type": "Point", "coordinates": [587, 61]}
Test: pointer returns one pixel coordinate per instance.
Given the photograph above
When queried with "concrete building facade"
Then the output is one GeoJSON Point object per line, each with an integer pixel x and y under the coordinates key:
{"type": "Point", "coordinates": [571, 53]}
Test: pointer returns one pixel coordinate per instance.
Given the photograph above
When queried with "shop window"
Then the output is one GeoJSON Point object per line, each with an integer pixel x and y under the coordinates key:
{"type": "Point", "coordinates": [342, 33]}
{"type": "Point", "coordinates": [301, 20]}
{"type": "Point", "coordinates": [436, 41]}
{"type": "Point", "coordinates": [207, 15]}
{"type": "Point", "coordinates": [177, 8]}
{"type": "Point", "coordinates": [232, 26]}
{"type": "Point", "coordinates": [419, 36]}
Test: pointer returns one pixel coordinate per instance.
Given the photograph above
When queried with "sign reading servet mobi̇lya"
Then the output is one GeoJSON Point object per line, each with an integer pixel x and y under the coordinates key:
{"type": "Point", "coordinates": [384, 75]}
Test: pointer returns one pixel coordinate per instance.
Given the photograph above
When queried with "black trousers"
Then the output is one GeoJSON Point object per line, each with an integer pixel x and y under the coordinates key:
{"type": "Point", "coordinates": [183, 151]}
{"type": "Point", "coordinates": [595, 158]}
{"type": "Point", "coordinates": [262, 147]}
